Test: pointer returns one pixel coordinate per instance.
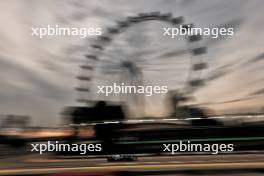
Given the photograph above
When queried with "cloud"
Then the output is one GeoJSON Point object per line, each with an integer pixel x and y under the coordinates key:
{"type": "Point", "coordinates": [41, 72]}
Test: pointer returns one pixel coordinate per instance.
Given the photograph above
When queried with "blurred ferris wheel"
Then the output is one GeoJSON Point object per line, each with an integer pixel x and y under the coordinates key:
{"type": "Point", "coordinates": [135, 52]}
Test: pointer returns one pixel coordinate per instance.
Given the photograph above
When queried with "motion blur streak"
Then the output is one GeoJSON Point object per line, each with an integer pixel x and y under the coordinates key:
{"type": "Point", "coordinates": [213, 84]}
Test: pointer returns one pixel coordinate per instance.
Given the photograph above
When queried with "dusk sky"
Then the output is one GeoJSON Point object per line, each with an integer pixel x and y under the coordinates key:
{"type": "Point", "coordinates": [37, 76]}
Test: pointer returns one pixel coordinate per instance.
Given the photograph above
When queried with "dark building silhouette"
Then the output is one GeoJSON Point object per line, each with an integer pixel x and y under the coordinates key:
{"type": "Point", "coordinates": [99, 113]}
